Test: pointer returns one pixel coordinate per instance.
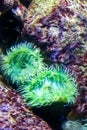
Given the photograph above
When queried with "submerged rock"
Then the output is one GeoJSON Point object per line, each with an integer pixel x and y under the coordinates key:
{"type": "Point", "coordinates": [62, 26]}
{"type": "Point", "coordinates": [61, 23]}
{"type": "Point", "coordinates": [64, 33]}
{"type": "Point", "coordinates": [79, 109]}
{"type": "Point", "coordinates": [14, 115]}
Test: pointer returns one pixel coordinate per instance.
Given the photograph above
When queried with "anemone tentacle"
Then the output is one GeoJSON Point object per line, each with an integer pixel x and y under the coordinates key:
{"type": "Point", "coordinates": [51, 85]}
{"type": "Point", "coordinates": [21, 62]}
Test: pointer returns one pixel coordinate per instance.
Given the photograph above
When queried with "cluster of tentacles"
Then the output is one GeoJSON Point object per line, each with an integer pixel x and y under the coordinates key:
{"type": "Point", "coordinates": [63, 32]}
{"type": "Point", "coordinates": [13, 112]}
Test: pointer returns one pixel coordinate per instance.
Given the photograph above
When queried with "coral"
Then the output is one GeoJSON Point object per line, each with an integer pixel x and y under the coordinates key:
{"type": "Point", "coordinates": [51, 85]}
{"type": "Point", "coordinates": [75, 125]}
{"type": "Point", "coordinates": [21, 62]}
{"type": "Point", "coordinates": [14, 115]}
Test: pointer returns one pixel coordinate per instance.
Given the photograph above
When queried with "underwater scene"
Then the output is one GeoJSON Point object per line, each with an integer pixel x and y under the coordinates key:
{"type": "Point", "coordinates": [43, 64]}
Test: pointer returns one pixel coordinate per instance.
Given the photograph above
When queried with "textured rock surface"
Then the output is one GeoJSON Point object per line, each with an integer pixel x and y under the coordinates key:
{"type": "Point", "coordinates": [57, 23]}
{"type": "Point", "coordinates": [14, 115]}
{"type": "Point", "coordinates": [79, 110]}
{"type": "Point", "coordinates": [63, 30]}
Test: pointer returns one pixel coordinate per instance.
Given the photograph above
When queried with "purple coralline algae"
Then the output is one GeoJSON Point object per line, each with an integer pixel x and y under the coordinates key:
{"type": "Point", "coordinates": [14, 115]}
{"type": "Point", "coordinates": [62, 27]}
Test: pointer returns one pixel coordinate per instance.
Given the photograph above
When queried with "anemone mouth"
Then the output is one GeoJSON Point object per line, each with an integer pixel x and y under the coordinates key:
{"type": "Point", "coordinates": [21, 62]}
{"type": "Point", "coordinates": [51, 85]}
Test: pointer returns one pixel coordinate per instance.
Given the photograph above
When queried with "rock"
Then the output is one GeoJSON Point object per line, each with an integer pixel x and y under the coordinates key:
{"type": "Point", "coordinates": [13, 113]}
{"type": "Point", "coordinates": [62, 28]}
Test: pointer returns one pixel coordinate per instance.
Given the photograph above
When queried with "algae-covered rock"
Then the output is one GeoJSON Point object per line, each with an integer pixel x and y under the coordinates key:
{"type": "Point", "coordinates": [59, 22]}
{"type": "Point", "coordinates": [64, 33]}
{"type": "Point", "coordinates": [62, 26]}
{"type": "Point", "coordinates": [79, 110]}
{"type": "Point", "coordinates": [39, 9]}
{"type": "Point", "coordinates": [14, 115]}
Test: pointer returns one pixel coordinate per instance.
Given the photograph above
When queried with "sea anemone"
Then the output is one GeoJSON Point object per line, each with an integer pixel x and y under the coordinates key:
{"type": "Point", "coordinates": [52, 85]}
{"type": "Point", "coordinates": [21, 62]}
{"type": "Point", "coordinates": [14, 115]}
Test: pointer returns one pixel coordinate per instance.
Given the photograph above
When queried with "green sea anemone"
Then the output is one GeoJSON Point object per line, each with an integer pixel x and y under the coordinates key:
{"type": "Point", "coordinates": [21, 62]}
{"type": "Point", "coordinates": [54, 84]}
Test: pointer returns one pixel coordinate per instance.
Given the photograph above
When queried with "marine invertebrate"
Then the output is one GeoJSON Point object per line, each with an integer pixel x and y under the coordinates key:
{"type": "Point", "coordinates": [75, 125]}
{"type": "Point", "coordinates": [21, 62]}
{"type": "Point", "coordinates": [51, 85]}
{"type": "Point", "coordinates": [14, 115]}
{"type": "Point", "coordinates": [65, 27]}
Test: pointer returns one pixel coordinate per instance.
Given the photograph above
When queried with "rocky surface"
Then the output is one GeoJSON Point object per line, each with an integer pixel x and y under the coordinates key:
{"type": "Point", "coordinates": [14, 115]}
{"type": "Point", "coordinates": [63, 32]}
{"type": "Point", "coordinates": [62, 28]}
